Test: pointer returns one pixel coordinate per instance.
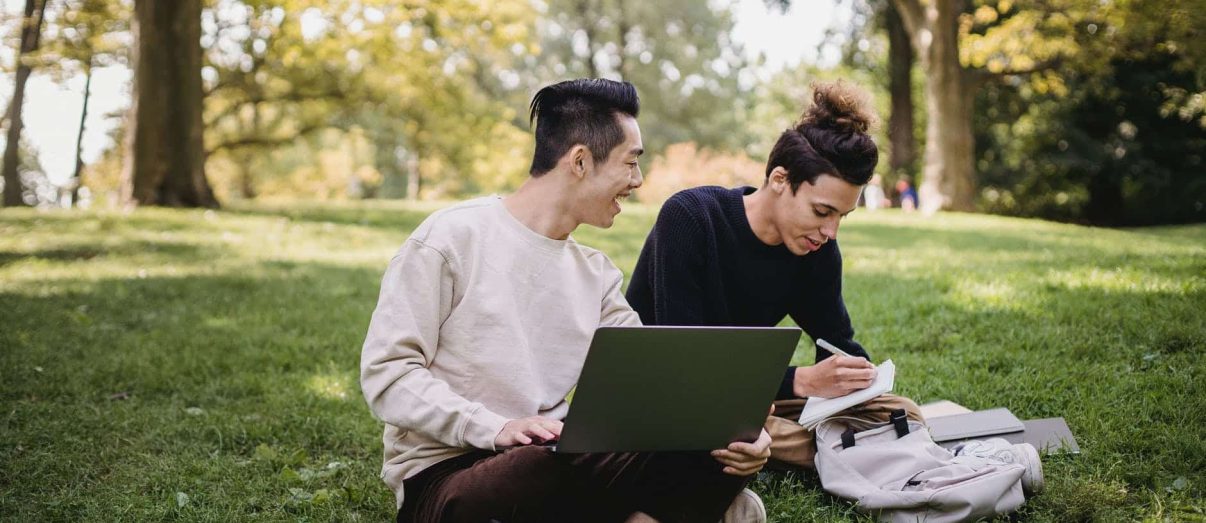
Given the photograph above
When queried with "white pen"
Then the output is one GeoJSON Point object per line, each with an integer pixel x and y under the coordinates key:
{"type": "Point", "coordinates": [832, 350]}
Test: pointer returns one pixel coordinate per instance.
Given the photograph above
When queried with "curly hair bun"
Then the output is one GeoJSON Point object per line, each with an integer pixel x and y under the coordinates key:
{"type": "Point", "coordinates": [838, 106]}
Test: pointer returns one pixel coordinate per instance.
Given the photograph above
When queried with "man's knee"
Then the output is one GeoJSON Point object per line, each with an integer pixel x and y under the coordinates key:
{"type": "Point", "coordinates": [515, 482]}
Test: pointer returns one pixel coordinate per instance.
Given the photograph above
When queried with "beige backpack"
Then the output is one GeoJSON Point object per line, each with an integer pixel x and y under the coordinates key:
{"type": "Point", "coordinates": [897, 472]}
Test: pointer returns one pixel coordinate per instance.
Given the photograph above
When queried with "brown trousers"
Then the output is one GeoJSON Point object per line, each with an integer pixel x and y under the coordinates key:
{"type": "Point", "coordinates": [535, 484]}
{"type": "Point", "coordinates": [794, 446]}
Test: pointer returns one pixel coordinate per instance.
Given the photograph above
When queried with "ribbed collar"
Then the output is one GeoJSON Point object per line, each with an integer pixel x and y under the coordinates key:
{"type": "Point", "coordinates": [523, 232]}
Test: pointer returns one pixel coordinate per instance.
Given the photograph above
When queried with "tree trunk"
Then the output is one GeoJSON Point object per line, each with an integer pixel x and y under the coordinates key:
{"type": "Point", "coordinates": [246, 178]}
{"type": "Point", "coordinates": [586, 13]}
{"type": "Point", "coordinates": [79, 138]}
{"type": "Point", "coordinates": [623, 27]}
{"type": "Point", "coordinates": [31, 32]}
{"type": "Point", "coordinates": [903, 153]}
{"type": "Point", "coordinates": [414, 182]}
{"type": "Point", "coordinates": [948, 177]}
{"type": "Point", "coordinates": [1106, 205]}
{"type": "Point", "coordinates": [167, 153]}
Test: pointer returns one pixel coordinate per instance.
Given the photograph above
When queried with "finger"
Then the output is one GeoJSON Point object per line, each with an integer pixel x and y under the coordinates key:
{"type": "Point", "coordinates": [521, 439]}
{"type": "Point", "coordinates": [743, 468]}
{"type": "Point", "coordinates": [856, 374]}
{"type": "Point", "coordinates": [855, 362]}
{"type": "Point", "coordinates": [553, 426]}
{"type": "Point", "coordinates": [849, 361]}
{"type": "Point", "coordinates": [857, 382]}
{"type": "Point", "coordinates": [734, 463]}
{"type": "Point", "coordinates": [852, 386]}
{"type": "Point", "coordinates": [740, 461]}
{"type": "Point", "coordinates": [743, 471]}
{"type": "Point", "coordinates": [728, 455]}
{"type": "Point", "coordinates": [741, 447]}
{"type": "Point", "coordinates": [761, 454]}
{"type": "Point", "coordinates": [540, 432]}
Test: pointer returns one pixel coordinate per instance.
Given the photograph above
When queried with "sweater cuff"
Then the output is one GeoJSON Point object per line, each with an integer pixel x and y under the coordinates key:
{"type": "Point", "coordinates": [482, 428]}
{"type": "Point", "coordinates": [787, 388]}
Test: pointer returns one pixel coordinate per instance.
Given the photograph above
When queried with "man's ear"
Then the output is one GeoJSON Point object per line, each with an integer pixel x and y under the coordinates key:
{"type": "Point", "coordinates": [581, 160]}
{"type": "Point", "coordinates": [778, 180]}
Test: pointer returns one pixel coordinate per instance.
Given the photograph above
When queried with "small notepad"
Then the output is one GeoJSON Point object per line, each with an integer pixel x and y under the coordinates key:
{"type": "Point", "coordinates": [974, 425]}
{"type": "Point", "coordinates": [817, 409]}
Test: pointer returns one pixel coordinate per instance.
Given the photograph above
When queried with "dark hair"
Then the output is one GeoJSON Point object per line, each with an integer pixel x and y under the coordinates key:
{"type": "Point", "coordinates": [576, 112]}
{"type": "Point", "coordinates": [830, 138]}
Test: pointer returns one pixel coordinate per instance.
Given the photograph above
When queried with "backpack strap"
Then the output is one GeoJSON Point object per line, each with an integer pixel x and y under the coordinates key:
{"type": "Point", "coordinates": [900, 420]}
{"type": "Point", "coordinates": [848, 438]}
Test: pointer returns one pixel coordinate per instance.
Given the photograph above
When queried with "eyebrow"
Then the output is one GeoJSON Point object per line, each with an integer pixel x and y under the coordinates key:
{"type": "Point", "coordinates": [835, 209]}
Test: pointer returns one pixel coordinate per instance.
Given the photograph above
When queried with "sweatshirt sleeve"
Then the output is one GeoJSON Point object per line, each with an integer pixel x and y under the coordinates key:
{"type": "Point", "coordinates": [402, 340]}
{"type": "Point", "coordinates": [614, 310]}
{"type": "Point", "coordinates": [821, 311]}
{"type": "Point", "coordinates": [671, 270]}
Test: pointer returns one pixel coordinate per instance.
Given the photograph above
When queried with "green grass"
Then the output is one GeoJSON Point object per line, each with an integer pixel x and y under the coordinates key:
{"type": "Point", "coordinates": [202, 365]}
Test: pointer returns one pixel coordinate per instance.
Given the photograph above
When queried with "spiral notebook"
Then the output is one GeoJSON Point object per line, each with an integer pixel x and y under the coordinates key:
{"type": "Point", "coordinates": [817, 409]}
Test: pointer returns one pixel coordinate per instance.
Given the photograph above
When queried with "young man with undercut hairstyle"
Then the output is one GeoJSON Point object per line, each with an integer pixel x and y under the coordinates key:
{"type": "Point", "coordinates": [481, 330]}
{"type": "Point", "coordinates": [751, 257]}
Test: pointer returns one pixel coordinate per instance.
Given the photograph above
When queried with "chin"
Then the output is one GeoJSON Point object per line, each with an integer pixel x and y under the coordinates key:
{"type": "Point", "coordinates": [798, 250]}
{"type": "Point", "coordinates": [603, 223]}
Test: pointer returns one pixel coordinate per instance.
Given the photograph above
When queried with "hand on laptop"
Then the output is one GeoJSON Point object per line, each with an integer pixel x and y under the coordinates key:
{"type": "Point", "coordinates": [525, 431]}
{"type": "Point", "coordinates": [745, 459]}
{"type": "Point", "coordinates": [834, 376]}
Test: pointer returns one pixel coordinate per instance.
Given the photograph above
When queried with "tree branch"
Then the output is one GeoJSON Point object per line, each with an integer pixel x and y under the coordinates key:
{"type": "Point", "coordinates": [293, 97]}
{"type": "Point", "coordinates": [266, 141]}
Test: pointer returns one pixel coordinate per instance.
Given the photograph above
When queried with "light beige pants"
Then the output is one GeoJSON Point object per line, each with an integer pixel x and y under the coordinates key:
{"type": "Point", "coordinates": [794, 446]}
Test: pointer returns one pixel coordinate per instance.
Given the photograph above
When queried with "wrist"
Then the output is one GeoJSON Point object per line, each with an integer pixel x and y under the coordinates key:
{"type": "Point", "coordinates": [801, 383]}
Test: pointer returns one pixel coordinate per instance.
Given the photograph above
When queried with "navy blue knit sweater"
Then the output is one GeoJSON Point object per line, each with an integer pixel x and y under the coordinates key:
{"type": "Point", "coordinates": [703, 265]}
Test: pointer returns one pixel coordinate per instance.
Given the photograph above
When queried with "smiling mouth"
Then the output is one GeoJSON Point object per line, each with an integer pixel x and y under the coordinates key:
{"type": "Point", "coordinates": [621, 197]}
{"type": "Point", "coordinates": [815, 244]}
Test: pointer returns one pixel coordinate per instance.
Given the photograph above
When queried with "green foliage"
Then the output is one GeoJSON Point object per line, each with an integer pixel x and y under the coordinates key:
{"type": "Point", "coordinates": [194, 365]}
{"type": "Point", "coordinates": [412, 79]}
{"type": "Point", "coordinates": [780, 101]}
{"type": "Point", "coordinates": [371, 98]}
{"type": "Point", "coordinates": [1115, 138]}
{"type": "Point", "coordinates": [83, 34]}
{"type": "Point", "coordinates": [677, 53]}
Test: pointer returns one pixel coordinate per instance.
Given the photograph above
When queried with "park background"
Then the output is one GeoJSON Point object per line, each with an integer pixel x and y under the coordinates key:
{"type": "Point", "coordinates": [200, 198]}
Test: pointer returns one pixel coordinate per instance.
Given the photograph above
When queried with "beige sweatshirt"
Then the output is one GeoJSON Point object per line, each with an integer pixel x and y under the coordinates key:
{"type": "Point", "coordinates": [480, 320]}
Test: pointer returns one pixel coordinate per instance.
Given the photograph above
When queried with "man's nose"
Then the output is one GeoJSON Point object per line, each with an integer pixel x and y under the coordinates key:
{"type": "Point", "coordinates": [830, 229]}
{"type": "Point", "coordinates": [639, 179]}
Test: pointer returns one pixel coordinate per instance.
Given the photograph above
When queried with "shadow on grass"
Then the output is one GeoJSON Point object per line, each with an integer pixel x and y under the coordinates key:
{"type": "Point", "coordinates": [906, 237]}
{"type": "Point", "coordinates": [83, 252]}
{"type": "Point", "coordinates": [393, 217]}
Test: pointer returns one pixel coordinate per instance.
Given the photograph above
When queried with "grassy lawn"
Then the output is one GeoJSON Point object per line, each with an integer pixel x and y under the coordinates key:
{"type": "Point", "coordinates": [203, 365]}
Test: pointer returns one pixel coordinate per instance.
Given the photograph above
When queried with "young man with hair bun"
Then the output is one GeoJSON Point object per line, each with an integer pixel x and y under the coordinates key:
{"type": "Point", "coordinates": [751, 257]}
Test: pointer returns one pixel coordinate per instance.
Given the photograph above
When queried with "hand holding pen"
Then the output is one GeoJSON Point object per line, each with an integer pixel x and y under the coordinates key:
{"type": "Point", "coordinates": [833, 377]}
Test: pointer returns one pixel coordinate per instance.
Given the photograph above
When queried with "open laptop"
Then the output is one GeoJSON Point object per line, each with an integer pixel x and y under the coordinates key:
{"type": "Point", "coordinates": [675, 388]}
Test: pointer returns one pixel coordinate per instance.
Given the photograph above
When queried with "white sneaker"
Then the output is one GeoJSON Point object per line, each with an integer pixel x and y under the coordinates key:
{"type": "Point", "coordinates": [747, 507]}
{"type": "Point", "coordinates": [1000, 451]}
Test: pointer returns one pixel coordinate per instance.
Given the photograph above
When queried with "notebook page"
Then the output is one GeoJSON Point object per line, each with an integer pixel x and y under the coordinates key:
{"type": "Point", "coordinates": [817, 409]}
